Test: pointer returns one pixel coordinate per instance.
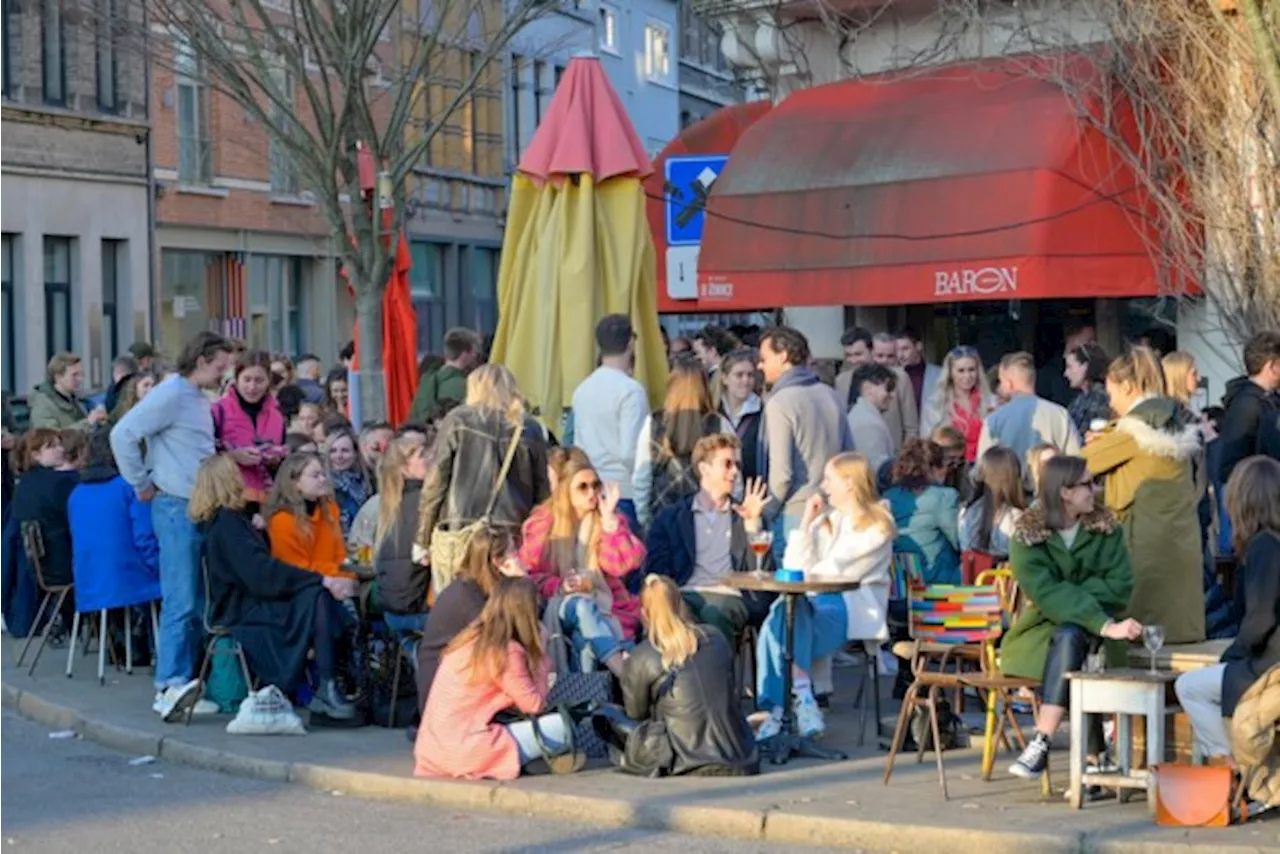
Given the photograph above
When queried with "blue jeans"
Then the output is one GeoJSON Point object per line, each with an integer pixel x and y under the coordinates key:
{"type": "Point", "coordinates": [593, 635]}
{"type": "Point", "coordinates": [405, 627]}
{"type": "Point", "coordinates": [821, 625]}
{"type": "Point", "coordinates": [181, 590]}
{"type": "Point", "coordinates": [554, 735]}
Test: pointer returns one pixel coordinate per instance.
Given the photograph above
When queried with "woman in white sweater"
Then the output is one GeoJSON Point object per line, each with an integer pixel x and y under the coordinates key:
{"type": "Point", "coordinates": [851, 538]}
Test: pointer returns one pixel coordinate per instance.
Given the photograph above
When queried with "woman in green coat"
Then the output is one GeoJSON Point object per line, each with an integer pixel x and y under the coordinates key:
{"type": "Point", "coordinates": [1070, 561]}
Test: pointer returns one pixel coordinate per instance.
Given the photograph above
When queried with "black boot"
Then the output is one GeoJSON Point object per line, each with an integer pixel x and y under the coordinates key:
{"type": "Point", "coordinates": [613, 725]}
{"type": "Point", "coordinates": [328, 701]}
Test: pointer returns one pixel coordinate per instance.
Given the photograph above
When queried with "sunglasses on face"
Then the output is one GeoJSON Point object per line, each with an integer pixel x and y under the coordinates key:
{"type": "Point", "coordinates": [1091, 483]}
{"type": "Point", "coordinates": [593, 486]}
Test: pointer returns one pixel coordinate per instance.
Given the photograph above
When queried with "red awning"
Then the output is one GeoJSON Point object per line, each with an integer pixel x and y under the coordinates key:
{"type": "Point", "coordinates": [716, 134]}
{"type": "Point", "coordinates": [977, 181]}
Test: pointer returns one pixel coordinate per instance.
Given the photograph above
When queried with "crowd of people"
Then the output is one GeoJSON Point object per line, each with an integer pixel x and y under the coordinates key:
{"type": "Point", "coordinates": [503, 561]}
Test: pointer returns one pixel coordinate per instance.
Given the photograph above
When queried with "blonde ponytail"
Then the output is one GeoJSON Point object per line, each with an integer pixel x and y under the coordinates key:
{"type": "Point", "coordinates": [391, 486]}
{"type": "Point", "coordinates": [1140, 369]}
{"type": "Point", "coordinates": [666, 618]}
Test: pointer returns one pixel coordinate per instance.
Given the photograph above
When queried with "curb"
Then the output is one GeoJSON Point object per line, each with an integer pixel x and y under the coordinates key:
{"type": "Point", "coordinates": [748, 825]}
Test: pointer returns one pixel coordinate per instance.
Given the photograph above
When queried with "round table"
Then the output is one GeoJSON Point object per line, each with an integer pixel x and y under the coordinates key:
{"type": "Point", "coordinates": [789, 742]}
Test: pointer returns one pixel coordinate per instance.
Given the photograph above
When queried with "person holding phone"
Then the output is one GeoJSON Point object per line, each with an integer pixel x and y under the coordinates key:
{"type": "Point", "coordinates": [249, 426]}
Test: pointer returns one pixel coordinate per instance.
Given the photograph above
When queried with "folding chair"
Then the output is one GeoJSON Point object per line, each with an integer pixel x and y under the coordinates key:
{"type": "Point", "coordinates": [104, 648]}
{"type": "Point", "coordinates": [33, 545]}
{"type": "Point", "coordinates": [215, 632]}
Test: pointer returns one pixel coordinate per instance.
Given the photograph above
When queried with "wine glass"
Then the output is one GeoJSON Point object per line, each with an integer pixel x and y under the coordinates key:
{"type": "Point", "coordinates": [1153, 639]}
{"type": "Point", "coordinates": [761, 542]}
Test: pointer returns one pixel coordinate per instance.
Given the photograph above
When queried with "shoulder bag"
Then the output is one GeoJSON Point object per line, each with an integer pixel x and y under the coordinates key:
{"type": "Point", "coordinates": [449, 548]}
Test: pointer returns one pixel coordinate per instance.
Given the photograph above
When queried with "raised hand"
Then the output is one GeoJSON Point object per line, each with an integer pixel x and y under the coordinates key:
{"type": "Point", "coordinates": [755, 497]}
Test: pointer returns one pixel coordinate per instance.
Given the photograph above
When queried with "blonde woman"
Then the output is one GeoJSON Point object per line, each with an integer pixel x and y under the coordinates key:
{"type": "Point", "coordinates": [1146, 457]}
{"type": "Point", "coordinates": [681, 713]}
{"type": "Point", "coordinates": [579, 548]}
{"type": "Point", "coordinates": [278, 611]}
{"type": "Point", "coordinates": [664, 452]}
{"type": "Point", "coordinates": [846, 535]}
{"type": "Point", "coordinates": [469, 452]}
{"type": "Point", "coordinates": [402, 581]}
{"type": "Point", "coordinates": [961, 399]}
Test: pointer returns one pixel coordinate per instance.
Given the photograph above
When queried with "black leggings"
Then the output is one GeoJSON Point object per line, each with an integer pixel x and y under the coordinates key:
{"type": "Point", "coordinates": [1068, 648]}
{"type": "Point", "coordinates": [331, 623]}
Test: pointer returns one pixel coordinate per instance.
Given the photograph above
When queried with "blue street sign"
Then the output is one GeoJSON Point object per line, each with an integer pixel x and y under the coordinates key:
{"type": "Point", "coordinates": [688, 182]}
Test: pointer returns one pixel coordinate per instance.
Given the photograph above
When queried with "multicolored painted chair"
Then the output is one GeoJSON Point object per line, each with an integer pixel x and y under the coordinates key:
{"type": "Point", "coordinates": [949, 624]}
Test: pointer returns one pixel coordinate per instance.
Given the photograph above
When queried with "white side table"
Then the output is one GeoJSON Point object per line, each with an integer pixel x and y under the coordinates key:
{"type": "Point", "coordinates": [1126, 693]}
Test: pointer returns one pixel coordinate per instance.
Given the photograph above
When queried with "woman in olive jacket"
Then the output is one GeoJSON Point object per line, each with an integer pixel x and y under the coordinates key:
{"type": "Point", "coordinates": [1069, 559]}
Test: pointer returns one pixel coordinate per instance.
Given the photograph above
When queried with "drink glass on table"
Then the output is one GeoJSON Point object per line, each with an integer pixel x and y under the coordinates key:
{"type": "Point", "coordinates": [1153, 639]}
{"type": "Point", "coordinates": [761, 542]}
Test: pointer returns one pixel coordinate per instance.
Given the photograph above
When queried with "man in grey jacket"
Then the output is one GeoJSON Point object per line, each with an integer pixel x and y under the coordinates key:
{"type": "Point", "coordinates": [804, 425]}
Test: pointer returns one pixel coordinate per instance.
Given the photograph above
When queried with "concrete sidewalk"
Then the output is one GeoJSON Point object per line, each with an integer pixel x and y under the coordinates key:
{"type": "Point", "coordinates": [841, 804]}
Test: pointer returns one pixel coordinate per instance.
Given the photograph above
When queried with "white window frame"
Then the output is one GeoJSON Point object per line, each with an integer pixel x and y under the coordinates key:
{"type": "Point", "coordinates": [609, 13]}
{"type": "Point", "coordinates": [199, 138]}
{"type": "Point", "coordinates": [660, 70]}
{"type": "Point", "coordinates": [282, 168]}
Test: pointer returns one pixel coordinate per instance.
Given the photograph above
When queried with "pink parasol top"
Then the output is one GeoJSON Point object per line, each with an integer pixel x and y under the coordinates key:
{"type": "Point", "coordinates": [586, 129]}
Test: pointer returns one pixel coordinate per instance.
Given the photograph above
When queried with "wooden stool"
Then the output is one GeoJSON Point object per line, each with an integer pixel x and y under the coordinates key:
{"type": "Point", "coordinates": [1126, 694]}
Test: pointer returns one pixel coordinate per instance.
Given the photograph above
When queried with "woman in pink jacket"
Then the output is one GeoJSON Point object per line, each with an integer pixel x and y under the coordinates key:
{"type": "Point", "coordinates": [578, 549]}
{"type": "Point", "coordinates": [496, 664]}
{"type": "Point", "coordinates": [249, 425]}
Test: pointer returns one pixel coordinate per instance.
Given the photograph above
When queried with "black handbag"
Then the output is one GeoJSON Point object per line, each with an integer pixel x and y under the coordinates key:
{"type": "Point", "coordinates": [579, 694]}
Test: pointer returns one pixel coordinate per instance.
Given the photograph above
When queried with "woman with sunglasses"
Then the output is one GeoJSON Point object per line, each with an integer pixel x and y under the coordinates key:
{"type": "Point", "coordinates": [1146, 457]}
{"type": "Point", "coordinates": [578, 549]}
{"type": "Point", "coordinates": [962, 399]}
{"type": "Point", "coordinates": [1070, 561]}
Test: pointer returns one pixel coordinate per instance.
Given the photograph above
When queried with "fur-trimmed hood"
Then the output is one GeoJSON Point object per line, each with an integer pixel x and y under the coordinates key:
{"type": "Point", "coordinates": [1159, 429]}
{"type": "Point", "coordinates": [1032, 530]}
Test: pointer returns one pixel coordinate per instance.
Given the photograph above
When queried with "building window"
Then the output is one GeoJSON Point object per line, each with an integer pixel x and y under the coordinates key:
{"type": "Point", "coordinates": [53, 54]}
{"type": "Point", "coordinates": [9, 310]}
{"type": "Point", "coordinates": [539, 90]}
{"type": "Point", "coordinates": [275, 307]}
{"type": "Point", "coordinates": [470, 109]}
{"type": "Point", "coordinates": [481, 290]}
{"type": "Point", "coordinates": [194, 153]}
{"type": "Point", "coordinates": [105, 57]}
{"type": "Point", "coordinates": [284, 168]}
{"type": "Point", "coordinates": [657, 53]}
{"type": "Point", "coordinates": [8, 48]}
{"type": "Point", "coordinates": [57, 295]}
{"type": "Point", "coordinates": [690, 33]}
{"type": "Point", "coordinates": [608, 29]}
{"type": "Point", "coordinates": [113, 256]}
{"type": "Point", "coordinates": [426, 283]}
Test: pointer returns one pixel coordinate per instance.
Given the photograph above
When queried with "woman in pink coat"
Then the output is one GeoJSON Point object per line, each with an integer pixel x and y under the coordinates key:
{"type": "Point", "coordinates": [578, 549]}
{"type": "Point", "coordinates": [248, 424]}
{"type": "Point", "coordinates": [495, 665]}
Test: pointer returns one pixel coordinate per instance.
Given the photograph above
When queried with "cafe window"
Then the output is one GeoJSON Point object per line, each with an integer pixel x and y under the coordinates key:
{"type": "Point", "coordinates": [275, 295]}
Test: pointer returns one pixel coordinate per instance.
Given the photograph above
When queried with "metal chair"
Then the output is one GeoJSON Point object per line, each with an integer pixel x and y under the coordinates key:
{"type": "Point", "coordinates": [867, 699]}
{"type": "Point", "coordinates": [103, 648]}
{"type": "Point", "coordinates": [744, 663]}
{"type": "Point", "coordinates": [214, 633]}
{"type": "Point", "coordinates": [33, 545]}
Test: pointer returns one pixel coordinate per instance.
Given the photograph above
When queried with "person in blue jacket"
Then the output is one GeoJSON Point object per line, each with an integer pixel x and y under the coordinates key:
{"type": "Point", "coordinates": [115, 555]}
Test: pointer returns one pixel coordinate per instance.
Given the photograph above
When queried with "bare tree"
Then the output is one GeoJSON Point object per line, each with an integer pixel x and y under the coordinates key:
{"type": "Point", "coordinates": [325, 77]}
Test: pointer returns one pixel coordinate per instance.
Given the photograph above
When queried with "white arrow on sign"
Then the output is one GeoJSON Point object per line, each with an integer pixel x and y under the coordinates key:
{"type": "Point", "coordinates": [682, 272]}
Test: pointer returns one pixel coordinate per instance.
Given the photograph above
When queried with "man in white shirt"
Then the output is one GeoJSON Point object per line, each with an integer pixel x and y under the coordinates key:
{"type": "Point", "coordinates": [609, 410]}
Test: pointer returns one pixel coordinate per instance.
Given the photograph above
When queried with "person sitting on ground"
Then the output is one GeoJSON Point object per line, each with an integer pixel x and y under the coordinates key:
{"type": "Point", "coordinates": [490, 556]}
{"type": "Point", "coordinates": [497, 663]}
{"type": "Point", "coordinates": [1210, 694]}
{"type": "Point", "coordinates": [925, 512]}
{"type": "Point", "coordinates": [849, 539]}
{"type": "Point", "coordinates": [704, 538]}
{"type": "Point", "coordinates": [302, 518]}
{"type": "Point", "coordinates": [988, 521]}
{"type": "Point", "coordinates": [279, 613]}
{"type": "Point", "coordinates": [116, 554]}
{"type": "Point", "coordinates": [1070, 561]}
{"type": "Point", "coordinates": [579, 549]}
{"type": "Point", "coordinates": [681, 713]}
{"type": "Point", "coordinates": [350, 478]}
{"type": "Point", "coordinates": [402, 582]}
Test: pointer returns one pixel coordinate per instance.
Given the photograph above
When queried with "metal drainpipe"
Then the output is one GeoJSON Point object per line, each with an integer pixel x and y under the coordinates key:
{"type": "Point", "coordinates": [153, 299]}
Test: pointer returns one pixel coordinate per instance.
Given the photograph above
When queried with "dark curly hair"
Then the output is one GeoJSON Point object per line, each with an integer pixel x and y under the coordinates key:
{"type": "Point", "coordinates": [916, 464]}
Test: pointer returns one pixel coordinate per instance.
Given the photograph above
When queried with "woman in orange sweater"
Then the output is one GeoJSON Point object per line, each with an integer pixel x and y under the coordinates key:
{"type": "Point", "coordinates": [302, 518]}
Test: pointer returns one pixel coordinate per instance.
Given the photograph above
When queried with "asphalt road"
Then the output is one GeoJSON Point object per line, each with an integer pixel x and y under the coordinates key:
{"type": "Point", "coordinates": [68, 795]}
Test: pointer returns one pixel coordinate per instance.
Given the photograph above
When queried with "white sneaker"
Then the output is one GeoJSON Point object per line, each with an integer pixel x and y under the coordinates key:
{"type": "Point", "coordinates": [808, 716]}
{"type": "Point", "coordinates": [172, 703]}
{"type": "Point", "coordinates": [772, 725]}
{"type": "Point", "coordinates": [204, 707]}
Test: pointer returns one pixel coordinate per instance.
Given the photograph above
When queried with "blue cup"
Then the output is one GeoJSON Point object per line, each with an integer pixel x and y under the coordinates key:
{"type": "Point", "coordinates": [789, 575]}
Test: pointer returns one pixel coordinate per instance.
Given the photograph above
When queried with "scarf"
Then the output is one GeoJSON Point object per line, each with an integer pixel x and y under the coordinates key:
{"type": "Point", "coordinates": [351, 491]}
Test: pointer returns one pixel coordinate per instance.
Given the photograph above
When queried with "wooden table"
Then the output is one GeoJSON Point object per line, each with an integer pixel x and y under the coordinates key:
{"type": "Point", "coordinates": [789, 742]}
{"type": "Point", "coordinates": [1125, 693]}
